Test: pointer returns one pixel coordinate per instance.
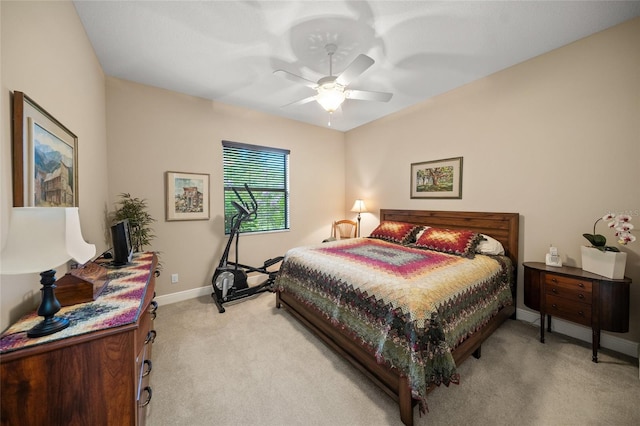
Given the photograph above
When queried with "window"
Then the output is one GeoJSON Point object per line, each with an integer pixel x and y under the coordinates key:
{"type": "Point", "coordinates": [266, 171]}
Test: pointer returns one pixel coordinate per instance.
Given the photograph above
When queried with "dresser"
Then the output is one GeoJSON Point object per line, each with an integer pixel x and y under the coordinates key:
{"type": "Point", "coordinates": [95, 372]}
{"type": "Point", "coordinates": [578, 296]}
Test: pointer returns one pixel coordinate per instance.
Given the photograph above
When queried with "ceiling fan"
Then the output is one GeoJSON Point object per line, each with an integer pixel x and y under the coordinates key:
{"type": "Point", "coordinates": [332, 90]}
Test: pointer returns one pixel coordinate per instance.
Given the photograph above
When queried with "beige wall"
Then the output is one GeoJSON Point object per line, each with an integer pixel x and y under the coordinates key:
{"type": "Point", "coordinates": [152, 131]}
{"type": "Point", "coordinates": [556, 138]}
{"type": "Point", "coordinates": [46, 54]}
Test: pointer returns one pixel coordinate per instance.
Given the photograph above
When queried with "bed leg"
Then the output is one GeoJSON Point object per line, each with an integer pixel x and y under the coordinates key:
{"type": "Point", "coordinates": [478, 352]}
{"type": "Point", "coordinates": [405, 402]}
{"type": "Point", "coordinates": [278, 305]}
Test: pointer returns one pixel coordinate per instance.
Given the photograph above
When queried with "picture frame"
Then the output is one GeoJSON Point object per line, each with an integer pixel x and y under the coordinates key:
{"type": "Point", "coordinates": [437, 179]}
{"type": "Point", "coordinates": [45, 157]}
{"type": "Point", "coordinates": [187, 196]}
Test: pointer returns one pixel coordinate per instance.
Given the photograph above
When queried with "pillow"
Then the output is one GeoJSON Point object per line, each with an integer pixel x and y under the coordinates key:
{"type": "Point", "coordinates": [461, 242]}
{"type": "Point", "coordinates": [396, 232]}
{"type": "Point", "coordinates": [489, 245]}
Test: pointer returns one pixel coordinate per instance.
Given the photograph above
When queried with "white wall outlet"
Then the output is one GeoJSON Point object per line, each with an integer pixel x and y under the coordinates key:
{"type": "Point", "coordinates": [174, 278]}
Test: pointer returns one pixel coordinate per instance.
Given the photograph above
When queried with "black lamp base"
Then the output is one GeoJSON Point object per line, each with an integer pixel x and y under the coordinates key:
{"type": "Point", "coordinates": [48, 308]}
{"type": "Point", "coordinates": [48, 326]}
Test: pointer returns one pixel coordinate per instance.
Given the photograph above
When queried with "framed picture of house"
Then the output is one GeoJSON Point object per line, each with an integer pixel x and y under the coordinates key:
{"type": "Point", "coordinates": [45, 158]}
{"type": "Point", "coordinates": [437, 179]}
{"type": "Point", "coordinates": [187, 196]}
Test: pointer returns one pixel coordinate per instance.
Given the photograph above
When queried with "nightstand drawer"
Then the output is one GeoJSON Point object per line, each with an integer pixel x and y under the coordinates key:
{"type": "Point", "coordinates": [568, 288]}
{"type": "Point", "coordinates": [568, 309]}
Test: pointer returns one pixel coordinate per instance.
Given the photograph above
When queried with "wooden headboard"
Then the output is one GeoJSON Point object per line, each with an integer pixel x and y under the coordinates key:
{"type": "Point", "coordinates": [504, 227]}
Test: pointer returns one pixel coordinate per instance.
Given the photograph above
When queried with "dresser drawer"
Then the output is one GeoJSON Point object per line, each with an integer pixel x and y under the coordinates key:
{"type": "Point", "coordinates": [568, 309]}
{"type": "Point", "coordinates": [568, 288]}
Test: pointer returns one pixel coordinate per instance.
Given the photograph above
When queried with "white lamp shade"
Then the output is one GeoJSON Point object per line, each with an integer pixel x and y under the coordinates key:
{"type": "Point", "coordinates": [359, 206]}
{"type": "Point", "coordinates": [330, 96]}
{"type": "Point", "coordinates": [42, 238]}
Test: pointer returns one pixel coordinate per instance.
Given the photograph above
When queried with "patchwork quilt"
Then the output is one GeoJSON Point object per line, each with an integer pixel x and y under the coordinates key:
{"type": "Point", "coordinates": [408, 307]}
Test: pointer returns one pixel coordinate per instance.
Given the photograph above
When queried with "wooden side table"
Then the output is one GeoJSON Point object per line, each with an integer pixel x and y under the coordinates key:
{"type": "Point", "coordinates": [578, 296]}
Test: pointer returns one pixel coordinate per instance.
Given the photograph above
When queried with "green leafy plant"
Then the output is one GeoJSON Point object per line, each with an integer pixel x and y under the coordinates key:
{"type": "Point", "coordinates": [622, 226]}
{"type": "Point", "coordinates": [135, 210]}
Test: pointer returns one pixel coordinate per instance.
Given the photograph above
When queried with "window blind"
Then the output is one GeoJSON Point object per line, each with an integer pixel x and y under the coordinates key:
{"type": "Point", "coordinates": [266, 171]}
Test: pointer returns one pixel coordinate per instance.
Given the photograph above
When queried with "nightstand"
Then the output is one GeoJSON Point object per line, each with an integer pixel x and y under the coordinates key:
{"type": "Point", "coordinates": [578, 296]}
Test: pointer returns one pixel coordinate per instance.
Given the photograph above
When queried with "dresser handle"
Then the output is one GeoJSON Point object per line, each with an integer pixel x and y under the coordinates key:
{"type": "Point", "coordinates": [149, 365]}
{"type": "Point", "coordinates": [149, 395]}
{"type": "Point", "coordinates": [553, 280]}
{"type": "Point", "coordinates": [154, 308]}
{"type": "Point", "coordinates": [151, 337]}
{"type": "Point", "coordinates": [554, 306]}
{"type": "Point", "coordinates": [581, 296]}
{"type": "Point", "coordinates": [554, 290]}
{"type": "Point", "coordinates": [580, 285]}
{"type": "Point", "coordinates": [581, 313]}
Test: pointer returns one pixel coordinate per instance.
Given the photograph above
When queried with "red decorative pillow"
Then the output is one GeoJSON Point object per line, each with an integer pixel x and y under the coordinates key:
{"type": "Point", "coordinates": [396, 232]}
{"type": "Point", "coordinates": [455, 241]}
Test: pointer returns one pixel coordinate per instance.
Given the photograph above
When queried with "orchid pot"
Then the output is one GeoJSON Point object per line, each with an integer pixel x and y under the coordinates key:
{"type": "Point", "coordinates": [606, 260]}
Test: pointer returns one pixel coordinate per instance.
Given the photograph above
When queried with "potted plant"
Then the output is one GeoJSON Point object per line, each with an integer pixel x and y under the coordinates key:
{"type": "Point", "coordinates": [135, 210]}
{"type": "Point", "coordinates": [605, 260]}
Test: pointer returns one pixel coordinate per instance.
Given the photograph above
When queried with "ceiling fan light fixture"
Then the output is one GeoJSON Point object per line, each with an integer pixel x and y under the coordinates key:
{"type": "Point", "coordinates": [330, 96]}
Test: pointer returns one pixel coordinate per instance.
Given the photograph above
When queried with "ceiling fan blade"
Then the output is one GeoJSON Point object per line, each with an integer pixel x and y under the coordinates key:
{"type": "Point", "coordinates": [365, 95]}
{"type": "Point", "coordinates": [300, 102]}
{"type": "Point", "coordinates": [355, 68]}
{"type": "Point", "coordinates": [296, 78]}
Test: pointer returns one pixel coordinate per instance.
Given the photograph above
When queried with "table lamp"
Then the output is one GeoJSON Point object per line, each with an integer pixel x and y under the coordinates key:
{"type": "Point", "coordinates": [39, 239]}
{"type": "Point", "coordinates": [359, 207]}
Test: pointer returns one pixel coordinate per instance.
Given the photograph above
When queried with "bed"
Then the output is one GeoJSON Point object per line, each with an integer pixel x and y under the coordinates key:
{"type": "Point", "coordinates": [369, 299]}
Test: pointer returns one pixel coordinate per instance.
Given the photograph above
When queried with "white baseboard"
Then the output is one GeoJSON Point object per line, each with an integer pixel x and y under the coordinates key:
{"type": "Point", "coordinates": [180, 296]}
{"type": "Point", "coordinates": [579, 332]}
{"type": "Point", "coordinates": [168, 299]}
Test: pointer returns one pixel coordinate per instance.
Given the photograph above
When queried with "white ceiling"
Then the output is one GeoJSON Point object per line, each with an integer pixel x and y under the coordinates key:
{"type": "Point", "coordinates": [227, 50]}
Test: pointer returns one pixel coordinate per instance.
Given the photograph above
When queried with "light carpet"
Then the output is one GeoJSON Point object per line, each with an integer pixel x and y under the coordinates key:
{"type": "Point", "coordinates": [256, 365]}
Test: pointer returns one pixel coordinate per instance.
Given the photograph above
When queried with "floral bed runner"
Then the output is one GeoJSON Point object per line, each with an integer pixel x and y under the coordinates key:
{"type": "Point", "coordinates": [409, 307]}
{"type": "Point", "coordinates": [119, 304]}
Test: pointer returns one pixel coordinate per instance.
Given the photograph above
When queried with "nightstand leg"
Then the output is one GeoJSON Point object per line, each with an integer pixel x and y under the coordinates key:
{"type": "Point", "coordinates": [549, 323]}
{"type": "Point", "coordinates": [595, 345]}
{"type": "Point", "coordinates": [541, 328]}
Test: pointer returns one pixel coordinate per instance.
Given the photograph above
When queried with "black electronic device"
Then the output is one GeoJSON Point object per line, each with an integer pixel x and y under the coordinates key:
{"type": "Point", "coordinates": [122, 246]}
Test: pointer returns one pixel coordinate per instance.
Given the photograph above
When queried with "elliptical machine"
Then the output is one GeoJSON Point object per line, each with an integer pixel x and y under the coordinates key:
{"type": "Point", "coordinates": [230, 279]}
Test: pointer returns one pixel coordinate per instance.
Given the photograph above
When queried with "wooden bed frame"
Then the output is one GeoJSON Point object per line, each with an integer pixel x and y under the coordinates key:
{"type": "Point", "coordinates": [501, 226]}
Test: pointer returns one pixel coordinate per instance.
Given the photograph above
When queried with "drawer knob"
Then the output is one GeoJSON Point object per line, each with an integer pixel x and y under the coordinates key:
{"type": "Point", "coordinates": [148, 367]}
{"type": "Point", "coordinates": [581, 313]}
{"type": "Point", "coordinates": [153, 308]}
{"type": "Point", "coordinates": [151, 337]}
{"type": "Point", "coordinates": [553, 280]}
{"type": "Point", "coordinates": [581, 285]}
{"type": "Point", "coordinates": [554, 290]}
{"type": "Point", "coordinates": [149, 395]}
{"type": "Point", "coordinates": [554, 306]}
{"type": "Point", "coordinates": [581, 296]}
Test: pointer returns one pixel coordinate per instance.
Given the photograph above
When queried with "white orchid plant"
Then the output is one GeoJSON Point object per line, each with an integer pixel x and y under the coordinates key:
{"type": "Point", "coordinates": [622, 226]}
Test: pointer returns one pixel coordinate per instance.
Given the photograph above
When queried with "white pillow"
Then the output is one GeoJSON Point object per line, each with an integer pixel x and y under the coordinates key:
{"type": "Point", "coordinates": [490, 246]}
{"type": "Point", "coordinates": [421, 231]}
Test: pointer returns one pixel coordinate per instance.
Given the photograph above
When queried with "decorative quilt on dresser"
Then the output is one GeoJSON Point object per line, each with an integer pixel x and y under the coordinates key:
{"type": "Point", "coordinates": [409, 307]}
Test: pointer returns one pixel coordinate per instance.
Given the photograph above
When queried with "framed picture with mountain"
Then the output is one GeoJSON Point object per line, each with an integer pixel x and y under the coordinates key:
{"type": "Point", "coordinates": [45, 157]}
